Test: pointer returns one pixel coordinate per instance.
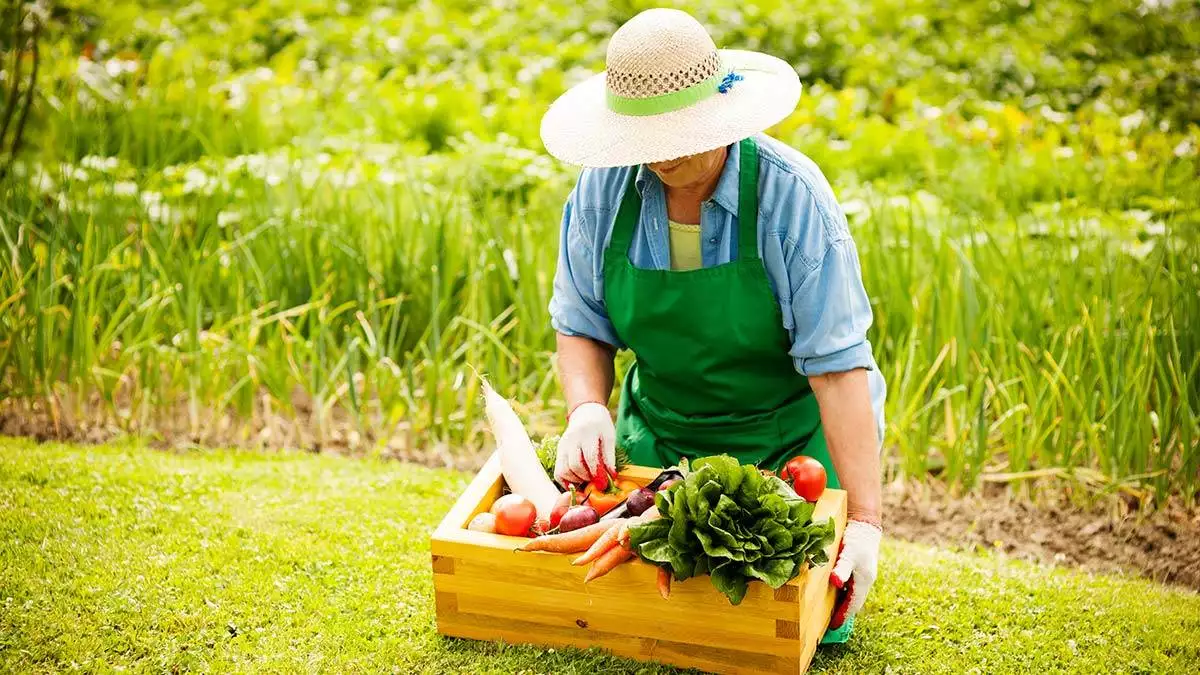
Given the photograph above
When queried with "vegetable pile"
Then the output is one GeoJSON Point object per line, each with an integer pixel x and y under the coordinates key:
{"type": "Point", "coordinates": [536, 506]}
{"type": "Point", "coordinates": [735, 524]}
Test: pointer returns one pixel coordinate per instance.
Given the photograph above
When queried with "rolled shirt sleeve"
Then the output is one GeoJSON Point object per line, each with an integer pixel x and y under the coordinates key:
{"type": "Point", "coordinates": [577, 304]}
{"type": "Point", "coordinates": [831, 314]}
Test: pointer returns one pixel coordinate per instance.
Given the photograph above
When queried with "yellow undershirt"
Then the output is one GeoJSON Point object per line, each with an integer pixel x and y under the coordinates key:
{"type": "Point", "coordinates": [685, 246]}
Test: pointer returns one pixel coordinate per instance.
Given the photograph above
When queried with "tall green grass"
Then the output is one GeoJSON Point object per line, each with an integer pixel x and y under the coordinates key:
{"type": "Point", "coordinates": [343, 240]}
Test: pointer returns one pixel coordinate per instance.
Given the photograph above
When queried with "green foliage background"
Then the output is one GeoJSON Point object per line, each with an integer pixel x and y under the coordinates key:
{"type": "Point", "coordinates": [336, 210]}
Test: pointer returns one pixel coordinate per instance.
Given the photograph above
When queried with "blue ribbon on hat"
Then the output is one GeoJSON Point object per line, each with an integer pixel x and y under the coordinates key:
{"type": "Point", "coordinates": [727, 83]}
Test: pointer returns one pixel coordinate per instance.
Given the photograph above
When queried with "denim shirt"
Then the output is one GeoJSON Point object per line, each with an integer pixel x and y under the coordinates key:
{"type": "Point", "coordinates": [803, 240]}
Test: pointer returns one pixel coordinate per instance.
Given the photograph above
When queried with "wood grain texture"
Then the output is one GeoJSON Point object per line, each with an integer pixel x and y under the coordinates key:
{"type": "Point", "coordinates": [487, 590]}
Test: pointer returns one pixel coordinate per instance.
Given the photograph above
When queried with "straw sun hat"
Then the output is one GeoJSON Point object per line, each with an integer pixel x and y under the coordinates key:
{"type": "Point", "coordinates": [667, 92]}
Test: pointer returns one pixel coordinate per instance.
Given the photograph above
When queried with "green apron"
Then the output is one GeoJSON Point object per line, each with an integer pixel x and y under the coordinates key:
{"type": "Point", "coordinates": [712, 373]}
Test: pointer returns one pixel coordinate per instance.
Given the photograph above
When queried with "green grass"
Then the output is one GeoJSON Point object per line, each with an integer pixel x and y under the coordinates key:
{"type": "Point", "coordinates": [121, 557]}
{"type": "Point", "coordinates": [238, 206]}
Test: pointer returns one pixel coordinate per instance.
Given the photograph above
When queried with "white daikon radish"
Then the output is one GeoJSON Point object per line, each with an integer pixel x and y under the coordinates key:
{"type": "Point", "coordinates": [518, 458]}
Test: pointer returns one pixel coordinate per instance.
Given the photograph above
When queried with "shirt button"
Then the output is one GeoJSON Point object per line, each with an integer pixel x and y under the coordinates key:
{"type": "Point", "coordinates": [712, 240]}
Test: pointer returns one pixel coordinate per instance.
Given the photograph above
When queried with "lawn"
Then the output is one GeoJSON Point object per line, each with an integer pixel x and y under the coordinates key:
{"type": "Point", "coordinates": [124, 557]}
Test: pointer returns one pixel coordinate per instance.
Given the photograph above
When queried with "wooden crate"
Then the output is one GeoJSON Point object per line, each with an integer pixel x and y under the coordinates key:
{"type": "Point", "coordinates": [487, 591]}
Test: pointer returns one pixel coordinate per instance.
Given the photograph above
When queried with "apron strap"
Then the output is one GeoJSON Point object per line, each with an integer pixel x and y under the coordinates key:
{"type": "Point", "coordinates": [628, 215]}
{"type": "Point", "coordinates": [630, 210]}
{"type": "Point", "coordinates": [748, 200]}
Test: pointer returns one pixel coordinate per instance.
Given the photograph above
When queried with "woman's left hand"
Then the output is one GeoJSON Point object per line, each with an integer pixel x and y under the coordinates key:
{"type": "Point", "coordinates": [856, 564]}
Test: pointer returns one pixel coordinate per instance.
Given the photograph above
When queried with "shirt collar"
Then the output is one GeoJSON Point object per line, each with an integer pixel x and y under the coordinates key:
{"type": "Point", "coordinates": [726, 192]}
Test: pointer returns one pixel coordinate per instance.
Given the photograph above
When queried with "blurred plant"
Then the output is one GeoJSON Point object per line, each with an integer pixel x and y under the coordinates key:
{"type": "Point", "coordinates": [20, 27]}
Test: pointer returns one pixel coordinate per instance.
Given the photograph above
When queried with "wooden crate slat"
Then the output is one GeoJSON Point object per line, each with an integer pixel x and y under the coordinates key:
{"type": "Point", "coordinates": [688, 655]}
{"type": "Point", "coordinates": [634, 581]}
{"type": "Point", "coordinates": [638, 621]}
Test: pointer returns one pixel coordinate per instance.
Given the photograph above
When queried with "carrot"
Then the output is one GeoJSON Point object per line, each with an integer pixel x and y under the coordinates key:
{"type": "Point", "coordinates": [605, 542]}
{"type": "Point", "coordinates": [574, 541]}
{"type": "Point", "coordinates": [605, 564]}
{"type": "Point", "coordinates": [664, 582]}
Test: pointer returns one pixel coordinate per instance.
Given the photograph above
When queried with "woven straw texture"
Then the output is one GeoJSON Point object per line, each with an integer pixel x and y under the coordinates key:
{"type": "Point", "coordinates": [661, 51]}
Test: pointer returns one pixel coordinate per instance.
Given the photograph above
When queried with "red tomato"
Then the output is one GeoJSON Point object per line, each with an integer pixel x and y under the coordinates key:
{"type": "Point", "coordinates": [807, 477]}
{"type": "Point", "coordinates": [514, 515]}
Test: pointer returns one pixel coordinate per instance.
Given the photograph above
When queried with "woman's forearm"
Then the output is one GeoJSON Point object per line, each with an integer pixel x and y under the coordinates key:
{"type": "Point", "coordinates": [849, 422]}
{"type": "Point", "coordinates": [585, 370]}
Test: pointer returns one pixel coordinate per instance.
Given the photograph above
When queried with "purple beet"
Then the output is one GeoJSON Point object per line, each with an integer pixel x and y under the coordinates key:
{"type": "Point", "coordinates": [639, 501]}
{"type": "Point", "coordinates": [577, 517]}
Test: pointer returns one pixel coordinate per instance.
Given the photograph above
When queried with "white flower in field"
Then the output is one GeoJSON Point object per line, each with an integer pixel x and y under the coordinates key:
{"type": "Point", "coordinates": [1132, 121]}
{"type": "Point", "coordinates": [1052, 115]}
{"type": "Point", "coordinates": [150, 198]}
{"type": "Point", "coordinates": [852, 207]}
{"type": "Point", "coordinates": [1140, 215]}
{"type": "Point", "coordinates": [1152, 5]}
{"type": "Point", "coordinates": [1038, 229]}
{"type": "Point", "coordinates": [124, 188]}
{"type": "Point", "coordinates": [195, 180]}
{"type": "Point", "coordinates": [931, 112]}
{"type": "Point", "coordinates": [98, 81]}
{"type": "Point", "coordinates": [1156, 228]}
{"type": "Point", "coordinates": [309, 176]}
{"type": "Point", "coordinates": [161, 213]}
{"type": "Point", "coordinates": [1185, 147]}
{"type": "Point", "coordinates": [1087, 226]}
{"type": "Point", "coordinates": [388, 177]}
{"type": "Point", "coordinates": [226, 218]}
{"type": "Point", "coordinates": [1139, 249]}
{"type": "Point", "coordinates": [978, 238]}
{"type": "Point", "coordinates": [44, 182]}
{"type": "Point", "coordinates": [118, 67]}
{"type": "Point", "coordinates": [70, 172]}
{"type": "Point", "coordinates": [1130, 156]}
{"type": "Point", "coordinates": [1064, 152]}
{"type": "Point", "coordinates": [98, 163]}
{"type": "Point", "coordinates": [510, 260]}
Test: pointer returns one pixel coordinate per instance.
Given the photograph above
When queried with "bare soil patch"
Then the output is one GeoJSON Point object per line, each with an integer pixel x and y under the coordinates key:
{"type": "Point", "coordinates": [1163, 545]}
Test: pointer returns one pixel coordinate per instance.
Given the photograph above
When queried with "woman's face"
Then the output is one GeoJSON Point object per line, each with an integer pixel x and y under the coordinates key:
{"type": "Point", "coordinates": [689, 170]}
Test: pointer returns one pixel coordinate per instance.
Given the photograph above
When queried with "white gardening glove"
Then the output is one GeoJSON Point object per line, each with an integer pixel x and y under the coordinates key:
{"type": "Point", "coordinates": [589, 440]}
{"type": "Point", "coordinates": [856, 565]}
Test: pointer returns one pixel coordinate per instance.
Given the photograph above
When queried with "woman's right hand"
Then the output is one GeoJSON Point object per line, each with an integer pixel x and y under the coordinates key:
{"type": "Point", "coordinates": [588, 442]}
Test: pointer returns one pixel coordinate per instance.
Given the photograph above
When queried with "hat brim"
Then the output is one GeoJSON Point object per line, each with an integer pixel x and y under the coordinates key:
{"type": "Point", "coordinates": [580, 129]}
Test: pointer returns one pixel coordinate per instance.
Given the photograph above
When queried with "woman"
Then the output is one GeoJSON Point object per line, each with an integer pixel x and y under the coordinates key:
{"type": "Point", "coordinates": [720, 257]}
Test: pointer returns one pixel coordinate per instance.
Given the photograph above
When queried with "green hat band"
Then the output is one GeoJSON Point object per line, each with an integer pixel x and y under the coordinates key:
{"type": "Point", "coordinates": [665, 103]}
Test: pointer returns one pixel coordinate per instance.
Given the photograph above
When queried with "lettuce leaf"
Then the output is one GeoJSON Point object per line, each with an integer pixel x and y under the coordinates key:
{"type": "Point", "coordinates": [736, 525]}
